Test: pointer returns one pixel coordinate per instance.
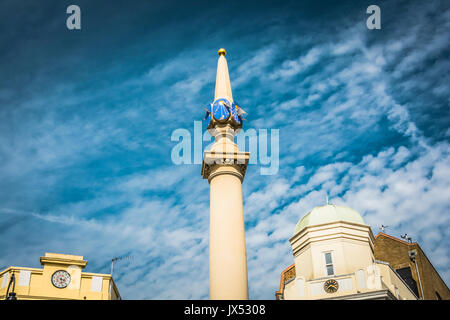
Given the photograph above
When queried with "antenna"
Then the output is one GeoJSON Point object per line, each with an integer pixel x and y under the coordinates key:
{"type": "Point", "coordinates": [405, 236]}
{"type": "Point", "coordinates": [326, 198]}
{"type": "Point", "coordinates": [383, 227]}
{"type": "Point", "coordinates": [118, 259]}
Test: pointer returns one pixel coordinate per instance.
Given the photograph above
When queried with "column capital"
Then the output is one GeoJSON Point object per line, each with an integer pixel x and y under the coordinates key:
{"type": "Point", "coordinates": [216, 163]}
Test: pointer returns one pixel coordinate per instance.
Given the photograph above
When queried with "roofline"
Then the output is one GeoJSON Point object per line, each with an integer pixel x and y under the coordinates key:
{"type": "Point", "coordinates": [63, 261]}
{"type": "Point", "coordinates": [398, 276]}
{"type": "Point", "coordinates": [329, 223]}
{"type": "Point", "coordinates": [282, 278]}
{"type": "Point", "coordinates": [15, 268]}
{"type": "Point", "coordinates": [114, 286]}
{"type": "Point", "coordinates": [415, 244]}
{"type": "Point", "coordinates": [40, 270]}
{"type": "Point", "coordinates": [397, 239]}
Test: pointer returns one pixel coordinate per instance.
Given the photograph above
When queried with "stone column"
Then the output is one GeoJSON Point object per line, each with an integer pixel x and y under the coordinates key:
{"type": "Point", "coordinates": [224, 166]}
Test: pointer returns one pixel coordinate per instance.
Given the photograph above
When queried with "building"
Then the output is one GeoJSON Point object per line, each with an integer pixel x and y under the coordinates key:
{"type": "Point", "coordinates": [61, 278]}
{"type": "Point", "coordinates": [411, 263]}
{"type": "Point", "coordinates": [334, 259]}
{"type": "Point", "coordinates": [224, 167]}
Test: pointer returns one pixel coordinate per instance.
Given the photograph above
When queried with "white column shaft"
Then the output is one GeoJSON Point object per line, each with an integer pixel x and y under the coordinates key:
{"type": "Point", "coordinates": [228, 258]}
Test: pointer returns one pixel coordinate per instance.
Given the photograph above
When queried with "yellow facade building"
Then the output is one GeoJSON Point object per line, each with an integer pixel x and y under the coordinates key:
{"type": "Point", "coordinates": [61, 278]}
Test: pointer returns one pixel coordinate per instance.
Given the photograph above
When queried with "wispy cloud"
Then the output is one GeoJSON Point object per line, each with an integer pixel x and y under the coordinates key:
{"type": "Point", "coordinates": [85, 162]}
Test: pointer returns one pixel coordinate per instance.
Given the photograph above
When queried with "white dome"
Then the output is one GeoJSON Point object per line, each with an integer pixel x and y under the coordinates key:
{"type": "Point", "coordinates": [328, 214]}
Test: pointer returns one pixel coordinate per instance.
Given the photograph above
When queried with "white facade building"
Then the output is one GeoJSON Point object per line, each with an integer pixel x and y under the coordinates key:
{"type": "Point", "coordinates": [334, 259]}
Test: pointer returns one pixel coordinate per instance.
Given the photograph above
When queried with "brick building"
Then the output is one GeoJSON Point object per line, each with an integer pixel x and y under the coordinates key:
{"type": "Point", "coordinates": [397, 253]}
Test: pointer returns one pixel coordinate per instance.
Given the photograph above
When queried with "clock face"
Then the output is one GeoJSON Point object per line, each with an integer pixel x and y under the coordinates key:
{"type": "Point", "coordinates": [331, 286]}
{"type": "Point", "coordinates": [221, 109]}
{"type": "Point", "coordinates": [61, 279]}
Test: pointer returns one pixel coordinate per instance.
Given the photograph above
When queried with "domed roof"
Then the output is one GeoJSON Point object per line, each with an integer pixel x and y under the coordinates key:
{"type": "Point", "coordinates": [328, 214]}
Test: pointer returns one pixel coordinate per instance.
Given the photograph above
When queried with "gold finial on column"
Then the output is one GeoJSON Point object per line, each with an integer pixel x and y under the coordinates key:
{"type": "Point", "coordinates": [223, 85]}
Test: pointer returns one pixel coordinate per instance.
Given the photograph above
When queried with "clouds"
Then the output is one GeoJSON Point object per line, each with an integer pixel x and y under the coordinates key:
{"type": "Point", "coordinates": [410, 198]}
{"type": "Point", "coordinates": [163, 237]}
{"type": "Point", "coordinates": [290, 68]}
{"type": "Point", "coordinates": [393, 186]}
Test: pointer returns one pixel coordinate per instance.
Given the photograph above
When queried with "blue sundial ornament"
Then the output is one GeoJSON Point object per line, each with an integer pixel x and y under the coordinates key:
{"type": "Point", "coordinates": [208, 114]}
{"type": "Point", "coordinates": [235, 113]}
{"type": "Point", "coordinates": [221, 109]}
{"type": "Point", "coordinates": [222, 112]}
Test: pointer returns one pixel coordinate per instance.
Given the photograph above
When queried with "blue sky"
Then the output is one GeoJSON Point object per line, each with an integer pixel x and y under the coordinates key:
{"type": "Point", "coordinates": [86, 119]}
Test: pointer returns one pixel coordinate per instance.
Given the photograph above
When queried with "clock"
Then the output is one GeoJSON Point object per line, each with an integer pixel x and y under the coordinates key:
{"type": "Point", "coordinates": [331, 286]}
{"type": "Point", "coordinates": [221, 109]}
{"type": "Point", "coordinates": [61, 279]}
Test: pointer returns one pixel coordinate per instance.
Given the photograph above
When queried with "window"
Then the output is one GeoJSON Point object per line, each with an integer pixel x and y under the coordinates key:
{"type": "Point", "coordinates": [406, 275]}
{"type": "Point", "coordinates": [438, 296]}
{"type": "Point", "coordinates": [329, 264]}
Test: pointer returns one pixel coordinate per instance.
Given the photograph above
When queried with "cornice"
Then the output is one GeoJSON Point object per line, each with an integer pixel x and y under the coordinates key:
{"type": "Point", "coordinates": [331, 225]}
{"type": "Point", "coordinates": [14, 269]}
{"type": "Point", "coordinates": [63, 261]}
{"type": "Point", "coordinates": [213, 162]}
{"type": "Point", "coordinates": [310, 234]}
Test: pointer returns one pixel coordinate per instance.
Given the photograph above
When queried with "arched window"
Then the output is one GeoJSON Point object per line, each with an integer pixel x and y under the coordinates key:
{"type": "Point", "coordinates": [361, 276]}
